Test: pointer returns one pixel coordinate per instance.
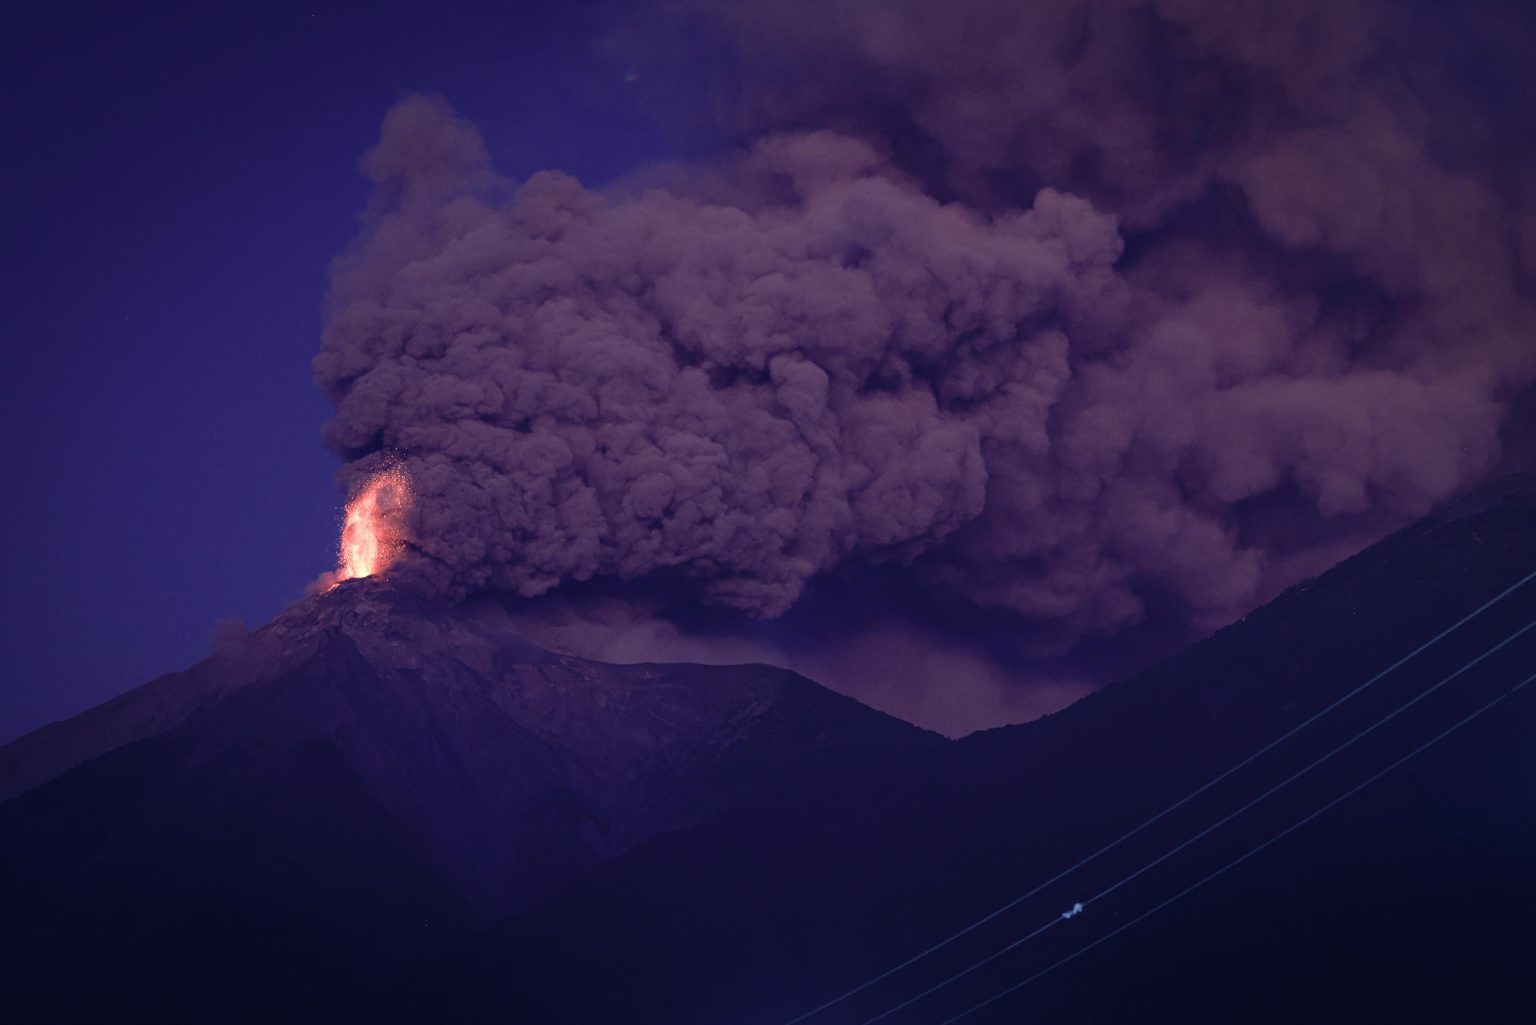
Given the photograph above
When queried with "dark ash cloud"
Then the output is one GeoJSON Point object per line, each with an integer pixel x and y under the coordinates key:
{"type": "Point", "coordinates": [1077, 310]}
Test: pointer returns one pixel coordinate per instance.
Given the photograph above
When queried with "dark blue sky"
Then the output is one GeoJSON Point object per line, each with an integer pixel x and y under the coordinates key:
{"type": "Point", "coordinates": [176, 185]}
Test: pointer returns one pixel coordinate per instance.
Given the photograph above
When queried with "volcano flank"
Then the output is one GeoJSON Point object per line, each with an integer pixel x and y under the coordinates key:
{"type": "Point", "coordinates": [370, 753]}
{"type": "Point", "coordinates": [381, 805]}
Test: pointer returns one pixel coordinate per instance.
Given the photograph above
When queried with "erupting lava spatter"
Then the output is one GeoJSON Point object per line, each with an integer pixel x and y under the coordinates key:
{"type": "Point", "coordinates": [374, 532]}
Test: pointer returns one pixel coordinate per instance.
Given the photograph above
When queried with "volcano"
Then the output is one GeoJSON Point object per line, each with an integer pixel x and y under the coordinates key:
{"type": "Point", "coordinates": [379, 807]}
{"type": "Point", "coordinates": [363, 777]}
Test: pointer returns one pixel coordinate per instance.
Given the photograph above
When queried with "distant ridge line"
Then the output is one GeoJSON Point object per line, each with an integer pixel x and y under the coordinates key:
{"type": "Point", "coordinates": [1352, 791]}
{"type": "Point", "coordinates": [1170, 809]}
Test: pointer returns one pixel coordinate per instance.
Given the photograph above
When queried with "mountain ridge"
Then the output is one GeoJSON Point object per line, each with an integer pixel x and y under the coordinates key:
{"type": "Point", "coordinates": [858, 873]}
{"type": "Point", "coordinates": [398, 810]}
{"type": "Point", "coordinates": [367, 775]}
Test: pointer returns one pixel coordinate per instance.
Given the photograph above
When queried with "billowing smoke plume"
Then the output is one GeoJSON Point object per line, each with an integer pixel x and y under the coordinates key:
{"type": "Point", "coordinates": [1072, 309]}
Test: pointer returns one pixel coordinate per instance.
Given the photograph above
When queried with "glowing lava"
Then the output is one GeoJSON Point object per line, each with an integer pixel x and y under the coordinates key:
{"type": "Point", "coordinates": [374, 531]}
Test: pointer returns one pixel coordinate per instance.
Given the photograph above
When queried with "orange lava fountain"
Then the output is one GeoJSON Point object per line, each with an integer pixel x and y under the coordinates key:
{"type": "Point", "coordinates": [374, 533]}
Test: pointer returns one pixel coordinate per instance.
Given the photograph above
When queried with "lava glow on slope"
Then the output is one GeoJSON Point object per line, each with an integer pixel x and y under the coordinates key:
{"type": "Point", "coordinates": [373, 533]}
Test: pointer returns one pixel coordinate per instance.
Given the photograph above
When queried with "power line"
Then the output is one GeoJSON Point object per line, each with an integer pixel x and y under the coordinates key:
{"type": "Point", "coordinates": [1015, 902]}
{"type": "Point", "coordinates": [1239, 860]}
{"type": "Point", "coordinates": [1208, 830]}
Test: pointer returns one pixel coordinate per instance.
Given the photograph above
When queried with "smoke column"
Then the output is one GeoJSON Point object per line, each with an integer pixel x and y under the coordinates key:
{"type": "Point", "coordinates": [1080, 312]}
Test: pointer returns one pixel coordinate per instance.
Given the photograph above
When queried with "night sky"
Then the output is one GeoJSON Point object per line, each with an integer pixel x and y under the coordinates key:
{"type": "Point", "coordinates": [179, 182]}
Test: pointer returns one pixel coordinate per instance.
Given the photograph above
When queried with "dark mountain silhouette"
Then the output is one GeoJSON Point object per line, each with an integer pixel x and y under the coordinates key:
{"type": "Point", "coordinates": [354, 783]}
{"type": "Point", "coordinates": [1411, 902]}
{"type": "Point", "coordinates": [381, 809]}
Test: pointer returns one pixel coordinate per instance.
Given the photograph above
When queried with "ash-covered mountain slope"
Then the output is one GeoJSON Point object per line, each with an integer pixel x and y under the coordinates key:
{"type": "Point", "coordinates": [369, 773]}
{"type": "Point", "coordinates": [1411, 902]}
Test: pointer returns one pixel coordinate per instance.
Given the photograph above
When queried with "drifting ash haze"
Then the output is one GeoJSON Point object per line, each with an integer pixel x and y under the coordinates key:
{"type": "Point", "coordinates": [1094, 315]}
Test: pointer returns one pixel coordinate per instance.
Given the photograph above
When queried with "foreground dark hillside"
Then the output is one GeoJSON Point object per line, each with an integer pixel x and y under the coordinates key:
{"type": "Point", "coordinates": [366, 778]}
{"type": "Point", "coordinates": [381, 809]}
{"type": "Point", "coordinates": [1411, 902]}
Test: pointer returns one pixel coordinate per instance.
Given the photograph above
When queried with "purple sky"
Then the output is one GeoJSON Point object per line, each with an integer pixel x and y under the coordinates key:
{"type": "Point", "coordinates": [179, 183]}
